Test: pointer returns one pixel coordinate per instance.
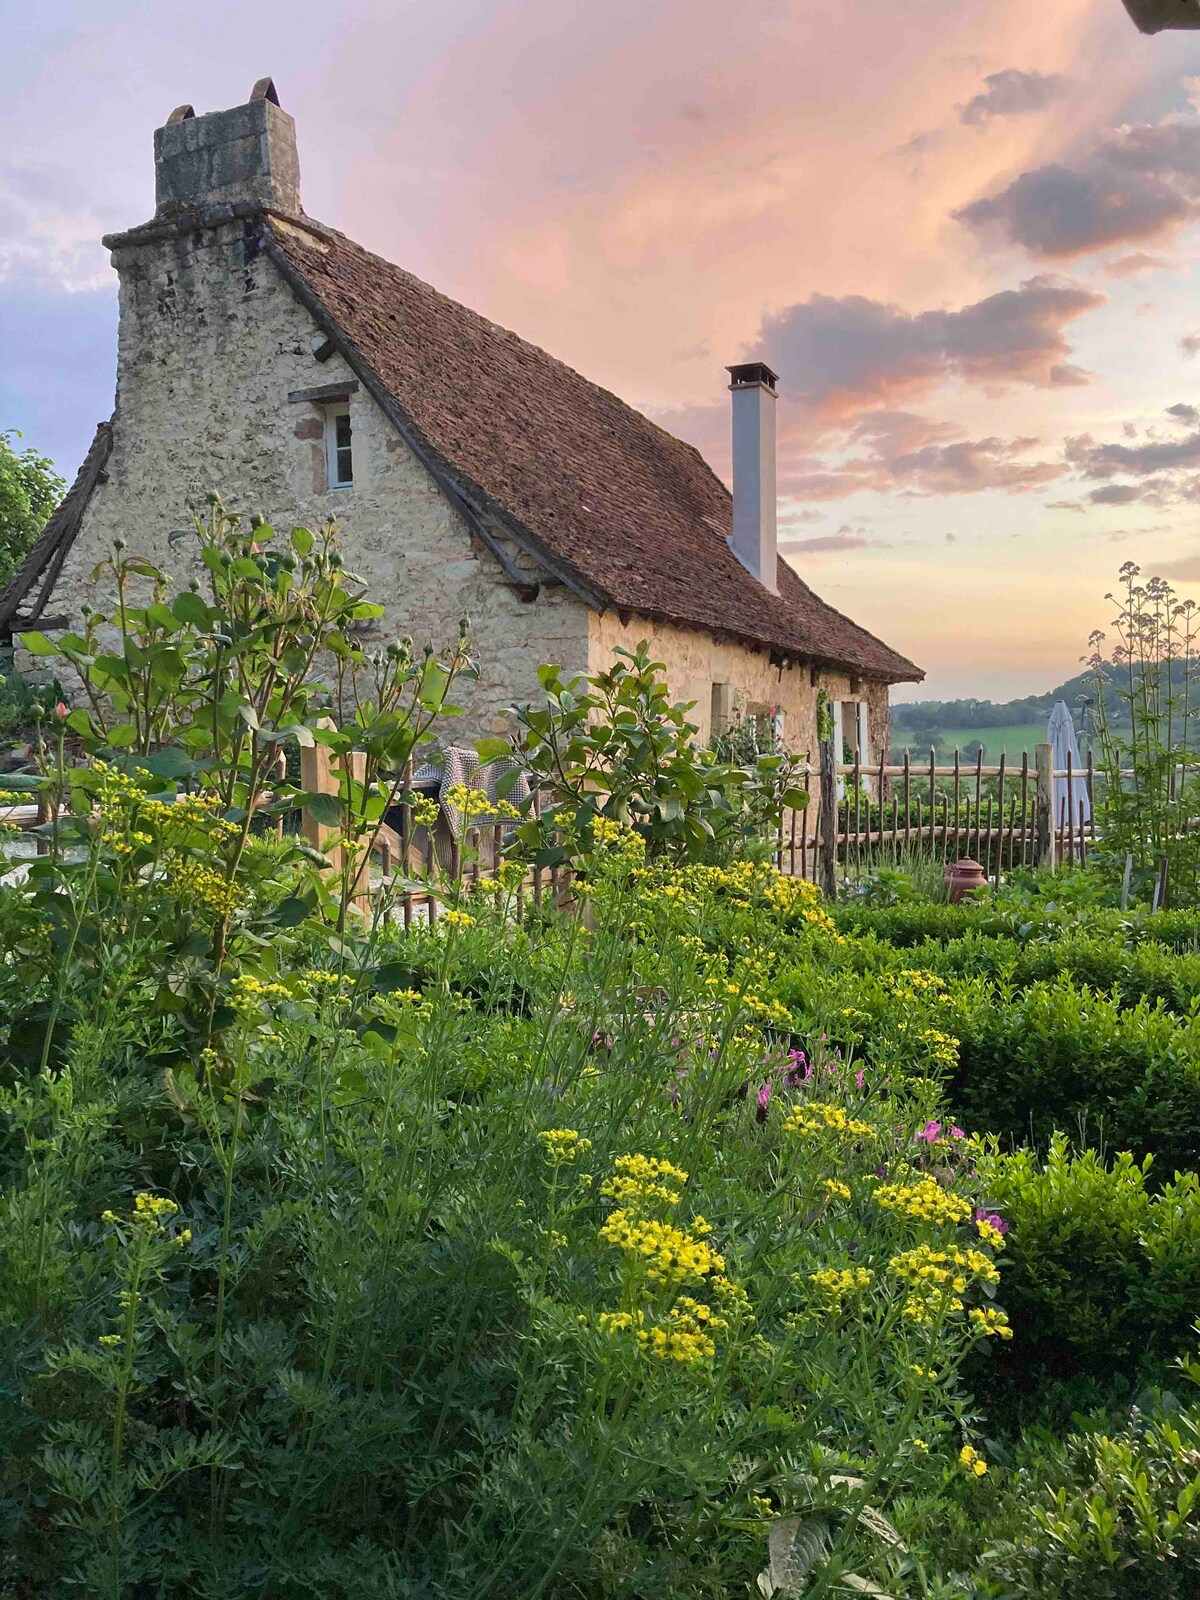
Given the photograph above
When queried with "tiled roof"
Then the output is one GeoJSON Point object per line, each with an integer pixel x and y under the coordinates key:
{"type": "Point", "coordinates": [46, 557]}
{"type": "Point", "coordinates": [614, 506]}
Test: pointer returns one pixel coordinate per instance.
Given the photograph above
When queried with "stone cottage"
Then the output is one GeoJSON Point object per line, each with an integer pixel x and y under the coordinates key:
{"type": "Point", "coordinates": [269, 357]}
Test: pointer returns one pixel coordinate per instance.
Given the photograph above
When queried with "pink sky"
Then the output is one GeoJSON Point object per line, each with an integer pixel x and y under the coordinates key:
{"type": "Point", "coordinates": [963, 234]}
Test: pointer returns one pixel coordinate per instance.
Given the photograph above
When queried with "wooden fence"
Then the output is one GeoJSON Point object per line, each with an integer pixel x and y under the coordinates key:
{"type": "Point", "coordinates": [857, 818]}
{"type": "Point", "coordinates": [860, 816]}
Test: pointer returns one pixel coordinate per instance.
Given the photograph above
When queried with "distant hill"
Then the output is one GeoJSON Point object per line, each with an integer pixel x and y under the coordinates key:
{"type": "Point", "coordinates": [1004, 725]}
{"type": "Point", "coordinates": [939, 715]}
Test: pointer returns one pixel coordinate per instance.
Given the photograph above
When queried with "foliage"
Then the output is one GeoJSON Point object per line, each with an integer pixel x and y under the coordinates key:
{"type": "Point", "coordinates": [659, 1242]}
{"type": "Point", "coordinates": [615, 746]}
{"type": "Point", "coordinates": [1109, 1515]}
{"type": "Point", "coordinates": [207, 689]}
{"type": "Point", "coordinates": [29, 490]}
{"type": "Point", "coordinates": [23, 705]}
{"type": "Point", "coordinates": [1148, 794]}
{"type": "Point", "coordinates": [1101, 1272]}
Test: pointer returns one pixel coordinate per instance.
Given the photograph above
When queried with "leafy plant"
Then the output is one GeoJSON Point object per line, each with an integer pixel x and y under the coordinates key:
{"type": "Point", "coordinates": [616, 746]}
{"type": "Point", "coordinates": [29, 490]}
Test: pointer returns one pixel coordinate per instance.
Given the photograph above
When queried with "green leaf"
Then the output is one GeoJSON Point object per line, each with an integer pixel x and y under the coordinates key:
{"type": "Point", "coordinates": [191, 608]}
{"type": "Point", "coordinates": [323, 808]}
{"type": "Point", "coordinates": [393, 975]}
{"type": "Point", "coordinates": [489, 750]}
{"type": "Point", "coordinates": [795, 799]}
{"type": "Point", "coordinates": [38, 645]}
{"type": "Point", "coordinates": [162, 617]}
{"type": "Point", "coordinates": [80, 722]}
{"type": "Point", "coordinates": [290, 913]}
{"type": "Point", "coordinates": [302, 541]}
{"type": "Point", "coordinates": [169, 762]}
{"type": "Point", "coordinates": [167, 669]}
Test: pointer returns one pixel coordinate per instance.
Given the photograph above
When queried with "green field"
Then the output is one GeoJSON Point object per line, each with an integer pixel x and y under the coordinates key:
{"type": "Point", "coordinates": [1010, 740]}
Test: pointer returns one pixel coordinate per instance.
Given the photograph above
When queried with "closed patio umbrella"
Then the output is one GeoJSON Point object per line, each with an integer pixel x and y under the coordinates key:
{"type": "Point", "coordinates": [1060, 734]}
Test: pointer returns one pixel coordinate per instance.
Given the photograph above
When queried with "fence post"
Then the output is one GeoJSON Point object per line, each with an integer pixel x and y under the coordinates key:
{"type": "Point", "coordinates": [828, 819]}
{"type": "Point", "coordinates": [1044, 807]}
{"type": "Point", "coordinates": [318, 775]}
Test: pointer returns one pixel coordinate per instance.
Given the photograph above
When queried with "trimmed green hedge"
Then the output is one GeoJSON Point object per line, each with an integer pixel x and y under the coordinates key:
{"type": "Point", "coordinates": [1099, 1270]}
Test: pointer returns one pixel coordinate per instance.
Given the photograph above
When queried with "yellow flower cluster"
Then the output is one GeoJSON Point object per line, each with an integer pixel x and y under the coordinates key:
{"type": "Point", "coordinates": [478, 803]}
{"type": "Point", "coordinates": [923, 1201]}
{"type": "Point", "coordinates": [839, 1190]}
{"type": "Point", "coordinates": [116, 842]}
{"type": "Point", "coordinates": [151, 1213]}
{"type": "Point", "coordinates": [668, 1254]}
{"type": "Point", "coordinates": [425, 811]}
{"type": "Point", "coordinates": [248, 993]}
{"type": "Point", "coordinates": [938, 1279]}
{"type": "Point", "coordinates": [642, 1182]}
{"type": "Point", "coordinates": [773, 1012]}
{"type": "Point", "coordinates": [510, 874]}
{"type": "Point", "coordinates": [990, 1234]}
{"type": "Point", "coordinates": [837, 1284]}
{"type": "Point", "coordinates": [953, 1267]}
{"type": "Point", "coordinates": [914, 980]}
{"type": "Point", "coordinates": [943, 1047]}
{"type": "Point", "coordinates": [203, 886]}
{"type": "Point", "coordinates": [686, 1336]}
{"type": "Point", "coordinates": [562, 1146]}
{"type": "Point", "coordinates": [990, 1322]}
{"type": "Point", "coordinates": [971, 1461]}
{"type": "Point", "coordinates": [458, 919]}
{"type": "Point", "coordinates": [818, 1116]}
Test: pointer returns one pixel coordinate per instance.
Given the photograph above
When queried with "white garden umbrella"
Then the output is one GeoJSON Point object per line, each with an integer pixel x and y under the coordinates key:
{"type": "Point", "coordinates": [1060, 734]}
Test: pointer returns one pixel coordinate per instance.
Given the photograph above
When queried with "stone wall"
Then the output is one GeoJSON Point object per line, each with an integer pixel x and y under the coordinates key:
{"type": "Point", "coordinates": [694, 662]}
{"type": "Point", "coordinates": [211, 344]}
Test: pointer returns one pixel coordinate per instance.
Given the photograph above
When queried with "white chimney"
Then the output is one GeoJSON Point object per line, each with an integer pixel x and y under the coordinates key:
{"type": "Point", "coordinates": [753, 388]}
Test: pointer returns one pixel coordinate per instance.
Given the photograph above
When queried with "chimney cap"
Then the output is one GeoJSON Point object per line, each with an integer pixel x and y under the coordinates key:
{"type": "Point", "coordinates": [752, 375]}
{"type": "Point", "coordinates": [265, 89]}
{"type": "Point", "coordinates": [181, 114]}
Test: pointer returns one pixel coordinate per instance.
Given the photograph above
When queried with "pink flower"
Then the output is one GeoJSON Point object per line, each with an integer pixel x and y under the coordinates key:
{"type": "Point", "coordinates": [982, 1214]}
{"type": "Point", "coordinates": [928, 1134]}
{"type": "Point", "coordinates": [60, 711]}
{"type": "Point", "coordinates": [859, 1078]}
{"type": "Point", "coordinates": [956, 1132]}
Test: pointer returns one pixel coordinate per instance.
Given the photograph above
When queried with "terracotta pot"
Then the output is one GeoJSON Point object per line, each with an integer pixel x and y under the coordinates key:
{"type": "Point", "coordinates": [963, 878]}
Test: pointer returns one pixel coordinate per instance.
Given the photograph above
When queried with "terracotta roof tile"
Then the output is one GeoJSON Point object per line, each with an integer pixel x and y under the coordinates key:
{"type": "Point", "coordinates": [628, 514]}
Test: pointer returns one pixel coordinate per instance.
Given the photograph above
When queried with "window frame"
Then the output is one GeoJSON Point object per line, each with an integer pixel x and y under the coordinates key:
{"type": "Point", "coordinates": [334, 482]}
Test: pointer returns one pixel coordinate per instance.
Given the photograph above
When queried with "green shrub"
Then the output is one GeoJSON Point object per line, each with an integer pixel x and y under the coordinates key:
{"type": "Point", "coordinates": [1053, 1056]}
{"type": "Point", "coordinates": [1102, 1273]}
{"type": "Point", "coordinates": [1109, 1515]}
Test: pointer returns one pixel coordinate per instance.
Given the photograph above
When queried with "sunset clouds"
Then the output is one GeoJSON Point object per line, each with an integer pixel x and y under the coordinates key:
{"type": "Point", "coordinates": [963, 235]}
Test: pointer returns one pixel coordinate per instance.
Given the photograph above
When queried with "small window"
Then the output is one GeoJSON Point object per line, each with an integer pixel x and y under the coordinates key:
{"type": "Point", "coordinates": [339, 448]}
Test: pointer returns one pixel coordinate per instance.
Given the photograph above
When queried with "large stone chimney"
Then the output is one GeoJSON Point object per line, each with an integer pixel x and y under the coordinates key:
{"type": "Point", "coordinates": [753, 388]}
{"type": "Point", "coordinates": [247, 154]}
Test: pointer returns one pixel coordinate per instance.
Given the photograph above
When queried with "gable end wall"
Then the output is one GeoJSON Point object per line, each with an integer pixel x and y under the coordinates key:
{"type": "Point", "coordinates": [211, 344]}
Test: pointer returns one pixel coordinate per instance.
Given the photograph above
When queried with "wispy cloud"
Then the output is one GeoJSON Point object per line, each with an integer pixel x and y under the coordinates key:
{"type": "Point", "coordinates": [1012, 93]}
